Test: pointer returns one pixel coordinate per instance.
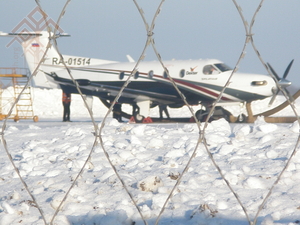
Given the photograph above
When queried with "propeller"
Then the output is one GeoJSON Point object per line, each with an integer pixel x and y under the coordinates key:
{"type": "Point", "coordinates": [282, 82]}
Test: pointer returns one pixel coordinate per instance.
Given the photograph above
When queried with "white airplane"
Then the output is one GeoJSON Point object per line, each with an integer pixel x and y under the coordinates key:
{"type": "Point", "coordinates": [201, 81]}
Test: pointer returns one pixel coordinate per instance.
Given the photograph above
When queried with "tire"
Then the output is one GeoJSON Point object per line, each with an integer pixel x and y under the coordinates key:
{"type": "Point", "coordinates": [242, 118]}
{"type": "Point", "coordinates": [201, 115]}
{"type": "Point", "coordinates": [138, 118]}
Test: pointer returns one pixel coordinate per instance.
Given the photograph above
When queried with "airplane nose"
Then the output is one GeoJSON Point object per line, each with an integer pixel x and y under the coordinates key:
{"type": "Point", "coordinates": [282, 82]}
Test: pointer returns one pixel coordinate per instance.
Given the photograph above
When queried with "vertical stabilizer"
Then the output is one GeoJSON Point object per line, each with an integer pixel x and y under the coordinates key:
{"type": "Point", "coordinates": [34, 49]}
{"type": "Point", "coordinates": [34, 46]}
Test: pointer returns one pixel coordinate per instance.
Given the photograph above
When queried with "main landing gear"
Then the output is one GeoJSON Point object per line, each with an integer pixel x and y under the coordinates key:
{"type": "Point", "coordinates": [139, 111]}
{"type": "Point", "coordinates": [218, 113]}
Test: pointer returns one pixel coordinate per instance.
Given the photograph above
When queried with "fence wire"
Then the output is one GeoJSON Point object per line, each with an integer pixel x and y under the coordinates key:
{"type": "Point", "coordinates": [201, 140]}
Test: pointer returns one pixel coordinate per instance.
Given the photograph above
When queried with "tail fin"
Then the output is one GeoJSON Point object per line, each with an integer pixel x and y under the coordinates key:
{"type": "Point", "coordinates": [34, 46]}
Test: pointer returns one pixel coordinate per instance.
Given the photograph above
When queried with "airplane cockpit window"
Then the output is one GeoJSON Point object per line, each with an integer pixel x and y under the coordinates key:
{"type": "Point", "coordinates": [222, 67]}
{"type": "Point", "coordinates": [215, 69]}
{"type": "Point", "coordinates": [210, 70]}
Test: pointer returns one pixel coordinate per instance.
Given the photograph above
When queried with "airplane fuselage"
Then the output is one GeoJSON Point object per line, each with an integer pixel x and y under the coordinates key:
{"type": "Point", "coordinates": [153, 83]}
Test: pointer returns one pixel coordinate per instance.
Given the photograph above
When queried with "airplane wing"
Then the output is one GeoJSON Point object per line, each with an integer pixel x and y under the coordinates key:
{"type": "Point", "coordinates": [105, 91]}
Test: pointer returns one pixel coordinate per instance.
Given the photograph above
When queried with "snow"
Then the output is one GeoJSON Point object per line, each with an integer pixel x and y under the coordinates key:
{"type": "Point", "coordinates": [149, 159]}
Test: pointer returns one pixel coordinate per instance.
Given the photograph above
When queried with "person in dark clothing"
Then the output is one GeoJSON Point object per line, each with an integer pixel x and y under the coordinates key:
{"type": "Point", "coordinates": [117, 110]}
{"type": "Point", "coordinates": [66, 101]}
{"type": "Point", "coordinates": [163, 108]}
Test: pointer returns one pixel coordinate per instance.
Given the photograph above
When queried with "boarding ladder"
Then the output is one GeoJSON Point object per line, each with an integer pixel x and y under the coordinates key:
{"type": "Point", "coordinates": [14, 80]}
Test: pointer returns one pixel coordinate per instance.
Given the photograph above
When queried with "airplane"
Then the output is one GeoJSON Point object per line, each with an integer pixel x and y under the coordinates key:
{"type": "Point", "coordinates": [200, 81]}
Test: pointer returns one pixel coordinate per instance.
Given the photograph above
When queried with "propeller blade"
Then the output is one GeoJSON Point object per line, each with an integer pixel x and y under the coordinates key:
{"type": "Point", "coordinates": [282, 82]}
{"type": "Point", "coordinates": [288, 69]}
{"type": "Point", "coordinates": [273, 98]}
{"type": "Point", "coordinates": [273, 72]}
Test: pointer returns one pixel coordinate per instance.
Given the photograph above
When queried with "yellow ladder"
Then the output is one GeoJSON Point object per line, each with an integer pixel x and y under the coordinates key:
{"type": "Point", "coordinates": [18, 78]}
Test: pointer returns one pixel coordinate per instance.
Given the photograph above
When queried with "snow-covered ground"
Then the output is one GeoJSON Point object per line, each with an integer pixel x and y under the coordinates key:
{"type": "Point", "coordinates": [149, 159]}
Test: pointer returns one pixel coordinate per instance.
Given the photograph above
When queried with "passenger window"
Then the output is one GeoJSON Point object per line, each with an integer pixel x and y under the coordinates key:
{"type": "Point", "coordinates": [150, 74]}
{"type": "Point", "coordinates": [165, 74]}
{"type": "Point", "coordinates": [136, 75]}
{"type": "Point", "coordinates": [121, 75]}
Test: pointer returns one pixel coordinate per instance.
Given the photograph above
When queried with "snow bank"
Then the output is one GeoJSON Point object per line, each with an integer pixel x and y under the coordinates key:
{"type": "Point", "coordinates": [150, 159]}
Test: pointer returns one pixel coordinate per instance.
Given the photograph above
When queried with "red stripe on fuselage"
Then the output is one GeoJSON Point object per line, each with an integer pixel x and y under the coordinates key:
{"type": "Point", "coordinates": [196, 87]}
{"type": "Point", "coordinates": [208, 92]}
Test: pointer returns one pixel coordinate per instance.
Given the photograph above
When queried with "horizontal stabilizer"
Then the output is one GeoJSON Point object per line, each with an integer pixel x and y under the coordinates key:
{"type": "Point", "coordinates": [32, 34]}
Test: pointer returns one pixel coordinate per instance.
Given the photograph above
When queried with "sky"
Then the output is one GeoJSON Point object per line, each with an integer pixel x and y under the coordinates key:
{"type": "Point", "coordinates": [190, 29]}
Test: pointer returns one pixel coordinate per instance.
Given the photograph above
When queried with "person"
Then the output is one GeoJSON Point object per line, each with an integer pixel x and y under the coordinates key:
{"type": "Point", "coordinates": [163, 108]}
{"type": "Point", "coordinates": [66, 101]}
{"type": "Point", "coordinates": [208, 70]}
{"type": "Point", "coordinates": [211, 70]}
{"type": "Point", "coordinates": [117, 110]}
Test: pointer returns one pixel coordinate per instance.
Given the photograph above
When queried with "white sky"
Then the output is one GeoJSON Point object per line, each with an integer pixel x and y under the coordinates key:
{"type": "Point", "coordinates": [185, 29]}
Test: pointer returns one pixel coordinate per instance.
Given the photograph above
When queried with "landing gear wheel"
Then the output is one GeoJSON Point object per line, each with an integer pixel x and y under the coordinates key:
{"type": "Point", "coordinates": [242, 118]}
{"type": "Point", "coordinates": [138, 118]}
{"type": "Point", "coordinates": [219, 113]}
{"type": "Point", "coordinates": [108, 105]}
{"type": "Point", "coordinates": [201, 115]}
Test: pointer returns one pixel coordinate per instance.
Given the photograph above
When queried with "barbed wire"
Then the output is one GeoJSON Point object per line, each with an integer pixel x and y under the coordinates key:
{"type": "Point", "coordinates": [249, 35]}
{"type": "Point", "coordinates": [201, 140]}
